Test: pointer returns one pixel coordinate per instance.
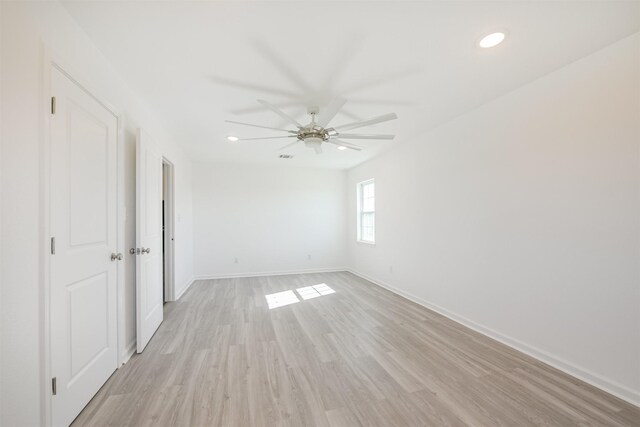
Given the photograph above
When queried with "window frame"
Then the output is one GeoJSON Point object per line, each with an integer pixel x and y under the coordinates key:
{"type": "Point", "coordinates": [360, 202]}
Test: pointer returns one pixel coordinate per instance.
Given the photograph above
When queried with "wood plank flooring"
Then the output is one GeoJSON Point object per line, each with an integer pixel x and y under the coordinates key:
{"type": "Point", "coordinates": [361, 356]}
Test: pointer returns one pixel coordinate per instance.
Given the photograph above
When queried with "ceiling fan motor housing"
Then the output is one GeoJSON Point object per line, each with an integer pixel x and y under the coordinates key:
{"type": "Point", "coordinates": [314, 132]}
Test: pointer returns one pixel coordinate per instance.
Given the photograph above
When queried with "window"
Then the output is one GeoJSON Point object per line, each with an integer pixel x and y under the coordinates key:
{"type": "Point", "coordinates": [366, 212]}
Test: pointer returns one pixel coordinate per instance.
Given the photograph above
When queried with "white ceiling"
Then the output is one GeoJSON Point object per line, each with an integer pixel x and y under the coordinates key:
{"type": "Point", "coordinates": [197, 64]}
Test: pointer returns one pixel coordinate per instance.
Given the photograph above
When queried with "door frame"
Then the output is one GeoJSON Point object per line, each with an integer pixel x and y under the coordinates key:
{"type": "Point", "coordinates": [50, 61]}
{"type": "Point", "coordinates": [168, 260]}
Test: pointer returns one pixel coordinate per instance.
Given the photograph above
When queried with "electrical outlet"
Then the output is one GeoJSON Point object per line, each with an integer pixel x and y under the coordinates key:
{"type": "Point", "coordinates": [235, 260]}
{"type": "Point", "coordinates": [308, 256]}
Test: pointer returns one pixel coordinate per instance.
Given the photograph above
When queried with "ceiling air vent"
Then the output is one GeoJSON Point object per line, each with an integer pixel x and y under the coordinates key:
{"type": "Point", "coordinates": [286, 156]}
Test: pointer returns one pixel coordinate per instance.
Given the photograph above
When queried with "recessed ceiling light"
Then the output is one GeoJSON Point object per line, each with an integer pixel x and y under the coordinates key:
{"type": "Point", "coordinates": [341, 147]}
{"type": "Point", "coordinates": [232, 138]}
{"type": "Point", "coordinates": [491, 40]}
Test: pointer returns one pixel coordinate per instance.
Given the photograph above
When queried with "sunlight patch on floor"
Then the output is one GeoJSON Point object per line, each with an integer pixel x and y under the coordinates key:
{"type": "Point", "coordinates": [315, 291]}
{"type": "Point", "coordinates": [280, 299]}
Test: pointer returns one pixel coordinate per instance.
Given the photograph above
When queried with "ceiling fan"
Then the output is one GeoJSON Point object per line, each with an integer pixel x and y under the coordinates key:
{"type": "Point", "coordinates": [317, 132]}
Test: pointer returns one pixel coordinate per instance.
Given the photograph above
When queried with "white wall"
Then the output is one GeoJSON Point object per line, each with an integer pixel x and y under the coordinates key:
{"type": "Point", "coordinates": [25, 26]}
{"type": "Point", "coordinates": [271, 219]}
{"type": "Point", "coordinates": [522, 218]}
{"type": "Point", "coordinates": [1, 210]}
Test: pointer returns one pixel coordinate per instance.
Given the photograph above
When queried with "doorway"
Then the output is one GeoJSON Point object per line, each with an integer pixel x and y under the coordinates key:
{"type": "Point", "coordinates": [168, 223]}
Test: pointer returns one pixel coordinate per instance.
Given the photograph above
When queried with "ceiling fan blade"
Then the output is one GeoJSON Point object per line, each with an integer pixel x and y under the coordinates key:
{"type": "Point", "coordinates": [283, 64]}
{"type": "Point", "coordinates": [260, 108]}
{"type": "Point", "coordinates": [258, 126]}
{"type": "Point", "coordinates": [344, 144]}
{"type": "Point", "coordinates": [364, 136]}
{"type": "Point", "coordinates": [330, 112]}
{"type": "Point", "coordinates": [288, 145]}
{"type": "Point", "coordinates": [267, 137]}
{"type": "Point", "coordinates": [251, 86]}
{"type": "Point", "coordinates": [379, 119]}
{"type": "Point", "coordinates": [279, 112]}
{"type": "Point", "coordinates": [381, 101]}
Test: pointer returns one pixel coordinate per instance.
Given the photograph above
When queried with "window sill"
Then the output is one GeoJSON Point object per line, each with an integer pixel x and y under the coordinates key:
{"type": "Point", "coordinates": [364, 242]}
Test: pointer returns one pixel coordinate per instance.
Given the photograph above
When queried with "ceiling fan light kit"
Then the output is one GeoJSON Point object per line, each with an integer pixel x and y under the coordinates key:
{"type": "Point", "coordinates": [317, 132]}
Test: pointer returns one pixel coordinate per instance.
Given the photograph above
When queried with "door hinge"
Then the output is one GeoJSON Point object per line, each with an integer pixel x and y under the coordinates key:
{"type": "Point", "coordinates": [53, 246]}
{"type": "Point", "coordinates": [53, 105]}
{"type": "Point", "coordinates": [54, 386]}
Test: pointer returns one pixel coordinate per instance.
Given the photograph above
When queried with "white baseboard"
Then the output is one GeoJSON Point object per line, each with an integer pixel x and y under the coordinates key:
{"type": "Point", "coordinates": [270, 273]}
{"type": "Point", "coordinates": [585, 375]}
{"type": "Point", "coordinates": [129, 351]}
{"type": "Point", "coordinates": [184, 289]}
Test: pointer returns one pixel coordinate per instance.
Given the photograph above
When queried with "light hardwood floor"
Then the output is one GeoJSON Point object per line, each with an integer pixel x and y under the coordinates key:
{"type": "Point", "coordinates": [360, 356]}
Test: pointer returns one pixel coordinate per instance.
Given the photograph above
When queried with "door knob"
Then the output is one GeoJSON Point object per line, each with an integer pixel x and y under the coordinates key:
{"type": "Point", "coordinates": [146, 250]}
{"type": "Point", "coordinates": [117, 256]}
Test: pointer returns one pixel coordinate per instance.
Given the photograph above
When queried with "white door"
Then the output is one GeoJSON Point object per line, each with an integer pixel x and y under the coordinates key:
{"type": "Point", "coordinates": [149, 300]}
{"type": "Point", "coordinates": [83, 224]}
